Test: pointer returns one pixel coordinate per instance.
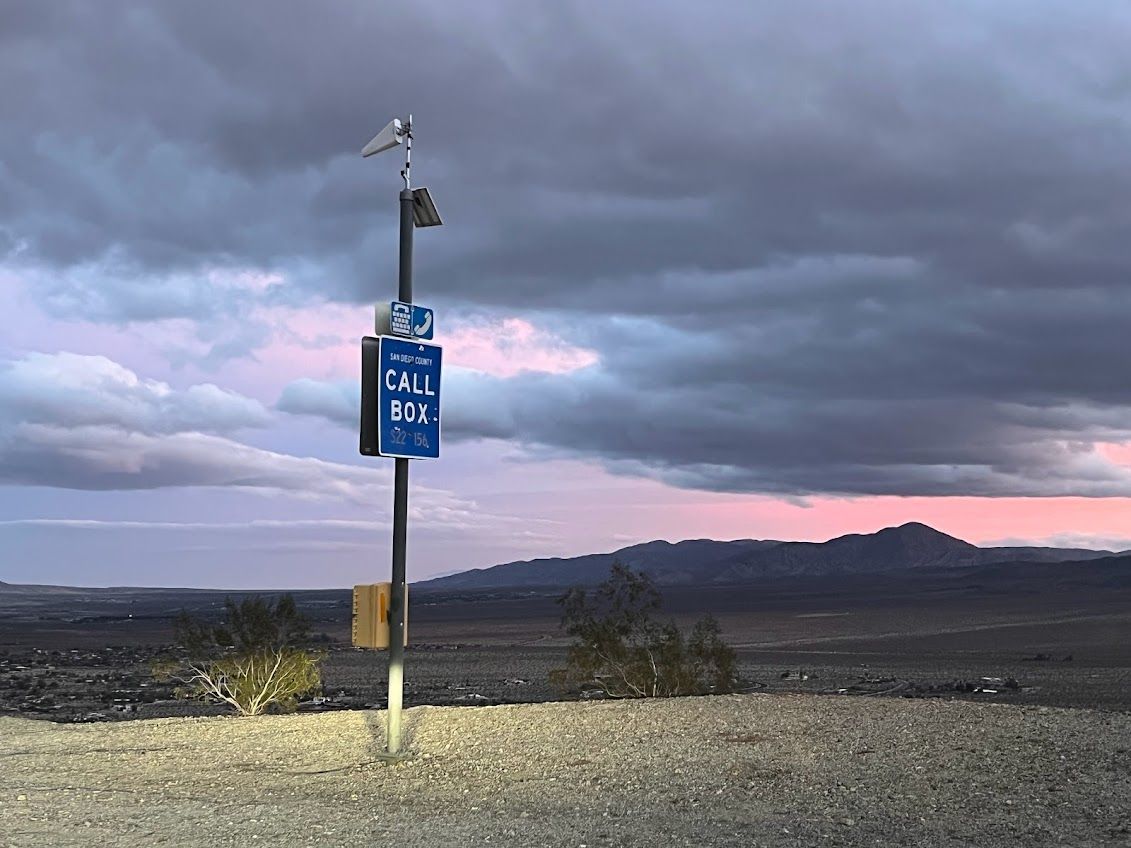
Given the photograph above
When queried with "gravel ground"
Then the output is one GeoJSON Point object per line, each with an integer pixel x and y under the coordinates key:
{"type": "Point", "coordinates": [736, 770]}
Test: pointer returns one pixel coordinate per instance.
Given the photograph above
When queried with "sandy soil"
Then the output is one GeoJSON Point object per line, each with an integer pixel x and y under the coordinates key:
{"type": "Point", "coordinates": [734, 770]}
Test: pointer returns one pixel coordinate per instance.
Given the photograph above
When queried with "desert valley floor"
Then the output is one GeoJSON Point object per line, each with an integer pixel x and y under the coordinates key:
{"type": "Point", "coordinates": [84, 654]}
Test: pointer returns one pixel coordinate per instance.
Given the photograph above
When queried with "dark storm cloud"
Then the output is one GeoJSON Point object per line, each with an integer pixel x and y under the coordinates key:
{"type": "Point", "coordinates": [745, 437]}
{"type": "Point", "coordinates": [568, 157]}
{"type": "Point", "coordinates": [863, 248]}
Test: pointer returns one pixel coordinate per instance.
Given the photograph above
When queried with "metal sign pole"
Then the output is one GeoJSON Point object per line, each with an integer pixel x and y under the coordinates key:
{"type": "Point", "coordinates": [400, 514]}
{"type": "Point", "coordinates": [390, 413]}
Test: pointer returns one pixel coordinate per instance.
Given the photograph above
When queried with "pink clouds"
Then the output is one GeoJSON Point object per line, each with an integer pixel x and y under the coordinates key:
{"type": "Point", "coordinates": [141, 346]}
{"type": "Point", "coordinates": [321, 343]}
{"type": "Point", "coordinates": [316, 341]}
{"type": "Point", "coordinates": [509, 346]}
{"type": "Point", "coordinates": [1120, 454]}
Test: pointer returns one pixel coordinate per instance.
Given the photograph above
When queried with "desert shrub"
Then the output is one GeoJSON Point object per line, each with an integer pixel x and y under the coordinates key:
{"type": "Point", "coordinates": [255, 659]}
{"type": "Point", "coordinates": [622, 650]}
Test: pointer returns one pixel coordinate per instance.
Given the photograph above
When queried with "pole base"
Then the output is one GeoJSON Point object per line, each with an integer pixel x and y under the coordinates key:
{"type": "Point", "coordinates": [390, 759]}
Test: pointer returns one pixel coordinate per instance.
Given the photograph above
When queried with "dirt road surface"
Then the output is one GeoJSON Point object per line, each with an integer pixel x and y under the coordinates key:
{"type": "Point", "coordinates": [743, 770]}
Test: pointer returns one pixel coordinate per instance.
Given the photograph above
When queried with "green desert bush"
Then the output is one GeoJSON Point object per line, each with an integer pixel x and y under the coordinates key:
{"type": "Point", "coordinates": [622, 650]}
{"type": "Point", "coordinates": [254, 660]}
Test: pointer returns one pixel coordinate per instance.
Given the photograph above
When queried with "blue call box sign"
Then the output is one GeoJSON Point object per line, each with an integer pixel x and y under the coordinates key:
{"type": "Point", "coordinates": [408, 399]}
{"type": "Point", "coordinates": [408, 319]}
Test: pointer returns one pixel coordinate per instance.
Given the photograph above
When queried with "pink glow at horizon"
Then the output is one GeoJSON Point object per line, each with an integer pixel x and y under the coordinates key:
{"type": "Point", "coordinates": [976, 520]}
{"type": "Point", "coordinates": [605, 511]}
{"type": "Point", "coordinates": [980, 521]}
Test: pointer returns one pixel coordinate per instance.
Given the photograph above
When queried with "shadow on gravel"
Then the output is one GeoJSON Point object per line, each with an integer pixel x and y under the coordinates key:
{"type": "Point", "coordinates": [375, 724]}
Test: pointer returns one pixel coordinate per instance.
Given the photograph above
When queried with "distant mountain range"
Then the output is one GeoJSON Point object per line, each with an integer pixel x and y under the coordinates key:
{"type": "Point", "coordinates": [909, 550]}
{"type": "Point", "coordinates": [703, 561]}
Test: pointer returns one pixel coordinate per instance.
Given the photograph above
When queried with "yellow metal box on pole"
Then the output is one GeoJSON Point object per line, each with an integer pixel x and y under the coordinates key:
{"type": "Point", "coordinates": [371, 615]}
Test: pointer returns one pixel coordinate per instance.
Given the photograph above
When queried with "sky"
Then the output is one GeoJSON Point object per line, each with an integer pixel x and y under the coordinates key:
{"type": "Point", "coordinates": [727, 270]}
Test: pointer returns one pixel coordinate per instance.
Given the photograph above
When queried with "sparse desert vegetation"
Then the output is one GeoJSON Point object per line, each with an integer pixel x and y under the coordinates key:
{"type": "Point", "coordinates": [254, 660]}
{"type": "Point", "coordinates": [623, 648]}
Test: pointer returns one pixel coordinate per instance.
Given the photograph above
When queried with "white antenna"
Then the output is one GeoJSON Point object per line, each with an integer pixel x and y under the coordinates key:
{"type": "Point", "coordinates": [391, 136]}
{"type": "Point", "coordinates": [396, 132]}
